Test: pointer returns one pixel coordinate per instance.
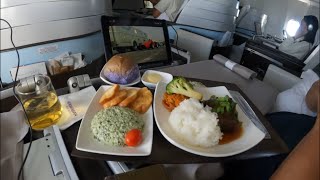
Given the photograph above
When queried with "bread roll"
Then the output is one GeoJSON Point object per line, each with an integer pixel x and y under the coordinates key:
{"type": "Point", "coordinates": [121, 70]}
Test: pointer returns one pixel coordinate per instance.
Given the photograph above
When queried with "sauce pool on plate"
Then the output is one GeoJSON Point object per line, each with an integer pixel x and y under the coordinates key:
{"type": "Point", "coordinates": [231, 136]}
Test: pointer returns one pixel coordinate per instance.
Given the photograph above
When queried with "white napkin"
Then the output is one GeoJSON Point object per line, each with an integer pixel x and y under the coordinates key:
{"type": "Point", "coordinates": [78, 61]}
{"type": "Point", "coordinates": [74, 106]}
{"type": "Point", "coordinates": [13, 128]}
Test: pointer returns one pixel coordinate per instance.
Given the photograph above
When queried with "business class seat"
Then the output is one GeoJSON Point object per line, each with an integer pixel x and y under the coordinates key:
{"type": "Point", "coordinates": [258, 56]}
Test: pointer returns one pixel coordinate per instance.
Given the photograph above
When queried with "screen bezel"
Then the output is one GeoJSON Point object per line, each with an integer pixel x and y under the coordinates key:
{"type": "Point", "coordinates": [107, 21]}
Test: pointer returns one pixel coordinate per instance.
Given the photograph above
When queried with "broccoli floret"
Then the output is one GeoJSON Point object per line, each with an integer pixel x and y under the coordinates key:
{"type": "Point", "coordinates": [180, 85]}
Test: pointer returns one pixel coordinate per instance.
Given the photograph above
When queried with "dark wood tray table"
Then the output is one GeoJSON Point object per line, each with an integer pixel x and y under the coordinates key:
{"type": "Point", "coordinates": [163, 152]}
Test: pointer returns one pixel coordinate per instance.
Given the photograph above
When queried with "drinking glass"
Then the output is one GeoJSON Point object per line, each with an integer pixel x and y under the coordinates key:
{"type": "Point", "coordinates": [40, 101]}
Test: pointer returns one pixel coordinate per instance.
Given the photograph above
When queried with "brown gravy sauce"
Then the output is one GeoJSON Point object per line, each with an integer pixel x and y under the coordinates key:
{"type": "Point", "coordinates": [231, 136]}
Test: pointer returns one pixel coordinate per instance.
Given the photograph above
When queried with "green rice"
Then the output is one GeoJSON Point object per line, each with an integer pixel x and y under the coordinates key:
{"type": "Point", "coordinates": [110, 125]}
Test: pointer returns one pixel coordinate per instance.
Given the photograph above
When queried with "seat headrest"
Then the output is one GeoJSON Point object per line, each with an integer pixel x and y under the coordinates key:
{"type": "Point", "coordinates": [316, 39]}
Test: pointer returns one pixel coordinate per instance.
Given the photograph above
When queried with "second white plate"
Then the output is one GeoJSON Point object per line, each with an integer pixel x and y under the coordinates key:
{"type": "Point", "coordinates": [86, 142]}
{"type": "Point", "coordinates": [251, 134]}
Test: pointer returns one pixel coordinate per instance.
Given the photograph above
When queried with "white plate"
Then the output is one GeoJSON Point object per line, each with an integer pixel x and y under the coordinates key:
{"type": "Point", "coordinates": [86, 142]}
{"type": "Point", "coordinates": [105, 79]}
{"type": "Point", "coordinates": [165, 77]}
{"type": "Point", "coordinates": [251, 134]}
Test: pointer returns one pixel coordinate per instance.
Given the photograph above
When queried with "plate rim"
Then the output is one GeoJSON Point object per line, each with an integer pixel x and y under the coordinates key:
{"type": "Point", "coordinates": [148, 152]}
{"type": "Point", "coordinates": [178, 145]}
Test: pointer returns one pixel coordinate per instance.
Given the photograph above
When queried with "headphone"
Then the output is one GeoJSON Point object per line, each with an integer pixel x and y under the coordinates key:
{"type": "Point", "coordinates": [310, 27]}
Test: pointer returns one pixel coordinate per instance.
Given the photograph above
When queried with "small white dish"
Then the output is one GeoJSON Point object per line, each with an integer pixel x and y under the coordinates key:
{"type": "Point", "coordinates": [251, 134]}
{"type": "Point", "coordinates": [86, 142]}
{"type": "Point", "coordinates": [105, 79]}
{"type": "Point", "coordinates": [165, 78]}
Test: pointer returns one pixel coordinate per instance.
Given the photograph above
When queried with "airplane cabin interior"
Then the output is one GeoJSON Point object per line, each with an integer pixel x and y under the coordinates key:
{"type": "Point", "coordinates": [159, 89]}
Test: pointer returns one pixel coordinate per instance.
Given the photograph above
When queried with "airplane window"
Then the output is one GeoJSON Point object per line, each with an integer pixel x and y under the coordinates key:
{"type": "Point", "coordinates": [292, 27]}
{"type": "Point", "coordinates": [148, 4]}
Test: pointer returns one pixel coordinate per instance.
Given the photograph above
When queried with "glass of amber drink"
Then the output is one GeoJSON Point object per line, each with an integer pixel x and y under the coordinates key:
{"type": "Point", "coordinates": [40, 101]}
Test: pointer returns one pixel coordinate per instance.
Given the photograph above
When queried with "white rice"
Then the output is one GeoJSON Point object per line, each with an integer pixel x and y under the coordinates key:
{"type": "Point", "coordinates": [195, 124]}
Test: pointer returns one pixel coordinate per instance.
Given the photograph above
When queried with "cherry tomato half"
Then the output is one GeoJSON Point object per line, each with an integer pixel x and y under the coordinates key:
{"type": "Point", "coordinates": [133, 137]}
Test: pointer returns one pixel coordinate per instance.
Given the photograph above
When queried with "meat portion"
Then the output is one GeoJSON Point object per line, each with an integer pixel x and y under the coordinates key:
{"type": "Point", "coordinates": [228, 122]}
{"type": "Point", "coordinates": [225, 107]}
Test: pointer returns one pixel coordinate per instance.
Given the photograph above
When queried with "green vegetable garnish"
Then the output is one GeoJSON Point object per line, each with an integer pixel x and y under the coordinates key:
{"type": "Point", "coordinates": [180, 85]}
{"type": "Point", "coordinates": [221, 105]}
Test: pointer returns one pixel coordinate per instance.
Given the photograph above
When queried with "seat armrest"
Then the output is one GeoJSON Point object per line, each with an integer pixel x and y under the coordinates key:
{"type": "Point", "coordinates": [289, 62]}
{"type": "Point", "coordinates": [279, 78]}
